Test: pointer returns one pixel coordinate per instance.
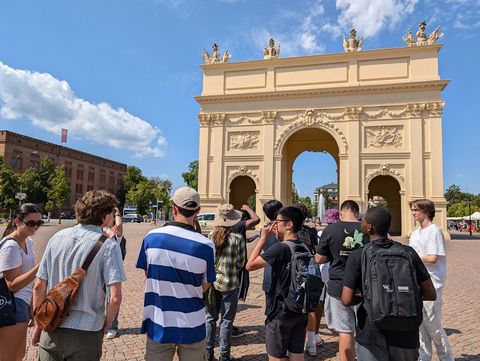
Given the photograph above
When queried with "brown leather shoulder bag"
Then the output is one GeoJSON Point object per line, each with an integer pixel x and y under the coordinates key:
{"type": "Point", "coordinates": [54, 307]}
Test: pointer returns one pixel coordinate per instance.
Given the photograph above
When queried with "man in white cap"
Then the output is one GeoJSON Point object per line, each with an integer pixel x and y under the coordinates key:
{"type": "Point", "coordinates": [179, 265]}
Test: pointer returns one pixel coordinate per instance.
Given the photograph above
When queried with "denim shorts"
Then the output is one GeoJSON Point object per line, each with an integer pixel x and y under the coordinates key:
{"type": "Point", "coordinates": [22, 313]}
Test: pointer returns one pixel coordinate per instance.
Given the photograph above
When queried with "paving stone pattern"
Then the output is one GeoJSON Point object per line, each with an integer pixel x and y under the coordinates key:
{"type": "Point", "coordinates": [461, 316]}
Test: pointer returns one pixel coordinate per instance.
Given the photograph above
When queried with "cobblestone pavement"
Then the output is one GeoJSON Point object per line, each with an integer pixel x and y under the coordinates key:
{"type": "Point", "coordinates": [461, 316]}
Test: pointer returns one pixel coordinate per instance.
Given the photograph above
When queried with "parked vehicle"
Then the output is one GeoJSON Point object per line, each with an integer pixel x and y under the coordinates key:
{"type": "Point", "coordinates": [132, 218]}
{"type": "Point", "coordinates": [206, 221]}
{"type": "Point", "coordinates": [67, 215]}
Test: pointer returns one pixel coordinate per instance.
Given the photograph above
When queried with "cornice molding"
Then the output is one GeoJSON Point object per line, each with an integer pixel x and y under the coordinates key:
{"type": "Point", "coordinates": [324, 92]}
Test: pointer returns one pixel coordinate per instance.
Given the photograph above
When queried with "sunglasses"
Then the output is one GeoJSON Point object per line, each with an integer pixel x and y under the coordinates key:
{"type": "Point", "coordinates": [32, 223]}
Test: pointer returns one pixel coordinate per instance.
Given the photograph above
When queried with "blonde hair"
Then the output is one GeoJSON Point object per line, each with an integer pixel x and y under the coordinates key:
{"type": "Point", "coordinates": [220, 235]}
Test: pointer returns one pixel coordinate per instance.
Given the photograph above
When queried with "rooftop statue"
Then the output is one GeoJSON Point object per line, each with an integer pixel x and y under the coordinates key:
{"type": "Point", "coordinates": [422, 38]}
{"type": "Point", "coordinates": [271, 52]}
{"type": "Point", "coordinates": [353, 44]}
{"type": "Point", "coordinates": [215, 57]}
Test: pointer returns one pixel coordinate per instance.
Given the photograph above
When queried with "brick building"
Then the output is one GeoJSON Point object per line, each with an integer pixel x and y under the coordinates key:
{"type": "Point", "coordinates": [84, 171]}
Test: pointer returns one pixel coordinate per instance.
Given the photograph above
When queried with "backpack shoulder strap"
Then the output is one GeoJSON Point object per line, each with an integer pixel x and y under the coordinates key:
{"type": "Point", "coordinates": [93, 252]}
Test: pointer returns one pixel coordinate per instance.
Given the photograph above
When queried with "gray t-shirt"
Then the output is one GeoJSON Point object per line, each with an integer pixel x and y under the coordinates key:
{"type": "Point", "coordinates": [66, 251]}
{"type": "Point", "coordinates": [13, 256]}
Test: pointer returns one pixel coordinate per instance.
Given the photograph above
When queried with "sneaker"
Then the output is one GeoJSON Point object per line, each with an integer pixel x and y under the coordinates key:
{"type": "Point", "coordinates": [318, 339]}
{"type": "Point", "coordinates": [311, 350]}
{"type": "Point", "coordinates": [236, 332]}
{"type": "Point", "coordinates": [111, 334]}
{"type": "Point", "coordinates": [228, 358]}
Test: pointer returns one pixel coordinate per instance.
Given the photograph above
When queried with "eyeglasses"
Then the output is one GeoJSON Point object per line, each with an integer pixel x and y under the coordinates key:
{"type": "Point", "coordinates": [281, 220]}
{"type": "Point", "coordinates": [32, 223]}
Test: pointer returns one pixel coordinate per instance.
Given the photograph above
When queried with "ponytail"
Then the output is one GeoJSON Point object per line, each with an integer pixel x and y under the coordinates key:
{"type": "Point", "coordinates": [11, 226]}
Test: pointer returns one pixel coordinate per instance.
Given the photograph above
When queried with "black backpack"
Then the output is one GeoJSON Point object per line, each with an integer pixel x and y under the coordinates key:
{"type": "Point", "coordinates": [306, 283]}
{"type": "Point", "coordinates": [308, 235]}
{"type": "Point", "coordinates": [391, 293]}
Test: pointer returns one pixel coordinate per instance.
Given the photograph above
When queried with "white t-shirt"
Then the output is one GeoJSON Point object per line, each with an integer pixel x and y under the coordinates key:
{"type": "Point", "coordinates": [13, 256]}
{"type": "Point", "coordinates": [430, 241]}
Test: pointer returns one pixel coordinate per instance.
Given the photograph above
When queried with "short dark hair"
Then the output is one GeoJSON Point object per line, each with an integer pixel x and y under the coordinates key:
{"type": "Point", "coordinates": [424, 205]}
{"type": "Point", "coordinates": [93, 206]}
{"type": "Point", "coordinates": [292, 214]}
{"type": "Point", "coordinates": [187, 213]}
{"type": "Point", "coordinates": [350, 205]}
{"type": "Point", "coordinates": [271, 208]}
{"type": "Point", "coordinates": [380, 219]}
{"type": "Point", "coordinates": [302, 209]}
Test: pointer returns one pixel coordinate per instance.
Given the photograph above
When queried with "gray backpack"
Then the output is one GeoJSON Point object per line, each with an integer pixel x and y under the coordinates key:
{"type": "Point", "coordinates": [391, 293]}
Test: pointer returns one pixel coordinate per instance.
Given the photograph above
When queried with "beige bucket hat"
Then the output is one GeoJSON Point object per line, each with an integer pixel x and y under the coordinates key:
{"type": "Point", "coordinates": [227, 216]}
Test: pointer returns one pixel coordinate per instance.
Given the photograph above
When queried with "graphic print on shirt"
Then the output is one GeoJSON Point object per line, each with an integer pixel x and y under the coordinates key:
{"type": "Point", "coordinates": [351, 242]}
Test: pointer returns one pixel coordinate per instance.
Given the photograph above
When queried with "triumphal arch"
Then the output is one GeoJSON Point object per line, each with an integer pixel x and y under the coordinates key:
{"type": "Point", "coordinates": [377, 112]}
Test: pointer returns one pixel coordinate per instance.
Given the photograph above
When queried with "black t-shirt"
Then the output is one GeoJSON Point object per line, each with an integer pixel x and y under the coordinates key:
{"type": "Point", "coordinates": [278, 256]}
{"type": "Point", "coordinates": [366, 333]}
{"type": "Point", "coordinates": [241, 228]}
{"type": "Point", "coordinates": [337, 241]}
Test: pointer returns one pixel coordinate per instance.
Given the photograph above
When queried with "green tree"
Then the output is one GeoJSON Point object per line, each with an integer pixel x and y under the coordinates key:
{"type": "Point", "coordinates": [141, 195]}
{"type": "Point", "coordinates": [191, 177]}
{"type": "Point", "coordinates": [32, 184]}
{"type": "Point", "coordinates": [162, 189]}
{"type": "Point", "coordinates": [58, 190]}
{"type": "Point", "coordinates": [133, 176]}
{"type": "Point", "coordinates": [307, 202]}
{"type": "Point", "coordinates": [9, 186]}
{"type": "Point", "coordinates": [252, 202]}
{"type": "Point", "coordinates": [453, 194]}
{"type": "Point", "coordinates": [294, 193]}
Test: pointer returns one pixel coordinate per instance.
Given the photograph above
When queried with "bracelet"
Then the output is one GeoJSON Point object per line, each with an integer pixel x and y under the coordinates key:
{"type": "Point", "coordinates": [118, 215]}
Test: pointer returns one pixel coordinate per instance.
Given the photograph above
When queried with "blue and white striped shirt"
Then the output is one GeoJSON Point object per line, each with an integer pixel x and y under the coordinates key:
{"type": "Point", "coordinates": [176, 260]}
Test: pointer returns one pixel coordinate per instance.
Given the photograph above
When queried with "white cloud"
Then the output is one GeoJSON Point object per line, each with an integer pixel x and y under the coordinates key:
{"type": "Point", "coordinates": [302, 37]}
{"type": "Point", "coordinates": [51, 105]}
{"type": "Point", "coordinates": [369, 17]}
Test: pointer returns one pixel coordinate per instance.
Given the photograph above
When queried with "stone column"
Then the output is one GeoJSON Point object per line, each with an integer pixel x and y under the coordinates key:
{"type": "Point", "coordinates": [217, 145]}
{"type": "Point", "coordinates": [203, 150]}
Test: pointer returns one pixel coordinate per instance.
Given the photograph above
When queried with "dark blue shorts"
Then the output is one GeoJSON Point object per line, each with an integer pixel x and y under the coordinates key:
{"type": "Point", "coordinates": [22, 314]}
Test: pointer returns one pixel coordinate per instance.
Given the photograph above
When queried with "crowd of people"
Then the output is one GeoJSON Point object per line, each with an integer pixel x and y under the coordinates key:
{"type": "Point", "coordinates": [383, 298]}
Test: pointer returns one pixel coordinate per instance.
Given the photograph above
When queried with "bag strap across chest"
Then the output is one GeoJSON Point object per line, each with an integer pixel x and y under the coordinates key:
{"type": "Point", "coordinates": [93, 252]}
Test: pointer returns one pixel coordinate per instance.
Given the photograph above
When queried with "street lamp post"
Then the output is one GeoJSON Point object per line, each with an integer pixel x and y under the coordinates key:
{"type": "Point", "coordinates": [470, 215]}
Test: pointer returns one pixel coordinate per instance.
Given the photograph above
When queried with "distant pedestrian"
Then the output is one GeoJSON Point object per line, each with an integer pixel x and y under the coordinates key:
{"type": "Point", "coordinates": [80, 336]}
{"type": "Point", "coordinates": [17, 265]}
{"type": "Point", "coordinates": [336, 243]}
{"type": "Point", "coordinates": [179, 265]}
{"type": "Point", "coordinates": [284, 329]}
{"type": "Point", "coordinates": [398, 341]}
{"type": "Point", "coordinates": [429, 243]}
{"type": "Point", "coordinates": [230, 252]}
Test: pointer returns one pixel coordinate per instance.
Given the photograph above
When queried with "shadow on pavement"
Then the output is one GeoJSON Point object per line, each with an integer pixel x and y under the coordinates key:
{"type": "Point", "coordinates": [464, 235]}
{"type": "Point", "coordinates": [466, 357]}
{"type": "Point", "coordinates": [451, 331]}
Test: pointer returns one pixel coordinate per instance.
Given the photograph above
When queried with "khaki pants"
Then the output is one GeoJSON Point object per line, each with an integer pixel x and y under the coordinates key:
{"type": "Point", "coordinates": [67, 344]}
{"type": "Point", "coordinates": [166, 351]}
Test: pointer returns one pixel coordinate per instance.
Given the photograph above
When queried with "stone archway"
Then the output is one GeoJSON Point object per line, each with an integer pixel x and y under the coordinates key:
{"type": "Point", "coordinates": [380, 110]}
{"type": "Point", "coordinates": [242, 188]}
{"type": "Point", "coordinates": [388, 188]}
{"type": "Point", "coordinates": [315, 139]}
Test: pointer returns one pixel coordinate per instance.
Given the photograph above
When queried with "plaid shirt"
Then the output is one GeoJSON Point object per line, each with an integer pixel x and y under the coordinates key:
{"type": "Point", "coordinates": [228, 263]}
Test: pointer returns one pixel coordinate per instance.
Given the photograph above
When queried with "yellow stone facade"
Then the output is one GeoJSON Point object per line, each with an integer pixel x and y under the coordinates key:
{"type": "Point", "coordinates": [377, 112]}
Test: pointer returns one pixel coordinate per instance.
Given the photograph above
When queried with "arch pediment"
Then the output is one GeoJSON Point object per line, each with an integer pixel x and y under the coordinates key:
{"type": "Point", "coordinates": [312, 118]}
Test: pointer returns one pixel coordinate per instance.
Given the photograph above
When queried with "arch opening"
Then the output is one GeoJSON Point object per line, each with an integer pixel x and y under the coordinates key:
{"type": "Point", "coordinates": [310, 151]}
{"type": "Point", "coordinates": [388, 188]}
{"type": "Point", "coordinates": [243, 191]}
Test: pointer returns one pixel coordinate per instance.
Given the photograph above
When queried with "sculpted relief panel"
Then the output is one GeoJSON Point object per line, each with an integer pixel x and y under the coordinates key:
{"type": "Point", "coordinates": [384, 137]}
{"type": "Point", "coordinates": [243, 140]}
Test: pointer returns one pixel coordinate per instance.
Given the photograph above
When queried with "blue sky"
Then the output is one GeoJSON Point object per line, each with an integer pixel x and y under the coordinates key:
{"type": "Point", "coordinates": [121, 74]}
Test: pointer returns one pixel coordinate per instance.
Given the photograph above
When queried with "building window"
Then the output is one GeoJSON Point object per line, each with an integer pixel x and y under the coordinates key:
{"type": "Point", "coordinates": [91, 176]}
{"type": "Point", "coordinates": [79, 174]}
{"type": "Point", "coordinates": [79, 188]}
{"type": "Point", "coordinates": [102, 179]}
{"type": "Point", "coordinates": [111, 180]}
